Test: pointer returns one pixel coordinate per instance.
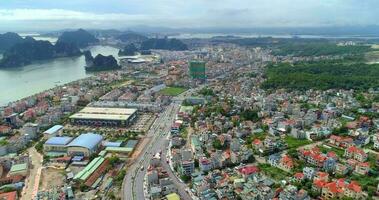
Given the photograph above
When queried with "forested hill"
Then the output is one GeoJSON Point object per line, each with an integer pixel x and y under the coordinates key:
{"type": "Point", "coordinates": [322, 75]}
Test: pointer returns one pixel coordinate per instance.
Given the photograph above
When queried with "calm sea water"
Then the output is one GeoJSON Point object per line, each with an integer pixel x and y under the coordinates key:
{"type": "Point", "coordinates": [20, 82]}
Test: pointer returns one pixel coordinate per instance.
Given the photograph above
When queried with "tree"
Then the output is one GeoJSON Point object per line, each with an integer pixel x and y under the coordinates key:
{"type": "Point", "coordinates": [217, 144]}
{"type": "Point", "coordinates": [185, 178]}
{"type": "Point", "coordinates": [249, 114]}
{"type": "Point", "coordinates": [113, 160]}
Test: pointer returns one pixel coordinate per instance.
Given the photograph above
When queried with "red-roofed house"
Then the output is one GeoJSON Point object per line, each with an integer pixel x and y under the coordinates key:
{"type": "Point", "coordinates": [5, 129]}
{"type": "Point", "coordinates": [355, 153]}
{"type": "Point", "coordinates": [340, 188]}
{"type": "Point", "coordinates": [322, 176]}
{"type": "Point", "coordinates": [354, 190]}
{"type": "Point", "coordinates": [362, 168]}
{"type": "Point", "coordinates": [286, 162]}
{"type": "Point", "coordinates": [314, 156]}
{"type": "Point", "coordinates": [249, 170]}
{"type": "Point", "coordinates": [341, 141]}
{"type": "Point", "coordinates": [333, 190]}
{"type": "Point", "coordinates": [299, 176]}
{"type": "Point", "coordinates": [9, 196]}
{"type": "Point", "coordinates": [318, 185]}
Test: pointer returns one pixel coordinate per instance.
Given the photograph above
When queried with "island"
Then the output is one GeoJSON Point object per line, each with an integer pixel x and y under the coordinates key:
{"type": "Point", "coordinates": [164, 44]}
{"type": "Point", "coordinates": [30, 50]}
{"type": "Point", "coordinates": [80, 38]}
{"type": "Point", "coordinates": [100, 62]}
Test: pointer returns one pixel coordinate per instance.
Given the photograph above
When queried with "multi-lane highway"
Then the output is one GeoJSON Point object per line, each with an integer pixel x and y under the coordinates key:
{"type": "Point", "coordinates": [133, 188]}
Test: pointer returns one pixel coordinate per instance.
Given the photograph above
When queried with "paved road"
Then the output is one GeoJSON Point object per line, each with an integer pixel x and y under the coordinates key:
{"type": "Point", "coordinates": [133, 188]}
{"type": "Point", "coordinates": [32, 182]}
{"type": "Point", "coordinates": [133, 181]}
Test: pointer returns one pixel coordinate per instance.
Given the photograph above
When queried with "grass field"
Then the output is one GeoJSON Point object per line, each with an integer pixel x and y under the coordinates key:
{"type": "Point", "coordinates": [294, 143]}
{"type": "Point", "coordinates": [338, 151]}
{"type": "Point", "coordinates": [172, 91]}
{"type": "Point", "coordinates": [273, 172]}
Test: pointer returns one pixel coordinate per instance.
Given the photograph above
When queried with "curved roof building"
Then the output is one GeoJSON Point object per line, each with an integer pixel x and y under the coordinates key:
{"type": "Point", "coordinates": [85, 144]}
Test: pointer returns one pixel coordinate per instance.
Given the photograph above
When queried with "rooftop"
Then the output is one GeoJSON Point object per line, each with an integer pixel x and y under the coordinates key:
{"type": "Point", "coordinates": [173, 196]}
{"type": "Point", "coordinates": [9, 195]}
{"type": "Point", "coordinates": [119, 149]}
{"type": "Point", "coordinates": [58, 141]}
{"type": "Point", "coordinates": [53, 129]}
{"type": "Point", "coordinates": [19, 167]}
{"type": "Point", "coordinates": [87, 140]}
{"type": "Point", "coordinates": [99, 116]}
{"type": "Point", "coordinates": [102, 110]}
{"type": "Point", "coordinates": [89, 169]}
{"type": "Point", "coordinates": [102, 113]}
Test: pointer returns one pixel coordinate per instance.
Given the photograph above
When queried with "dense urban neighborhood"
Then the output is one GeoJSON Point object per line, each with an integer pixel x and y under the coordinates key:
{"type": "Point", "coordinates": [207, 119]}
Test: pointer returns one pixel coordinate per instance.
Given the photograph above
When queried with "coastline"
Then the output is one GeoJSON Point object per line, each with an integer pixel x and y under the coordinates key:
{"type": "Point", "coordinates": [53, 88]}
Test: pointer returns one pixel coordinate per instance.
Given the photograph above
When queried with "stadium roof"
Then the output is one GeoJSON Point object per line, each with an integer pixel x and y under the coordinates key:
{"type": "Point", "coordinates": [58, 141]}
{"type": "Point", "coordinates": [114, 111]}
{"type": "Point", "coordinates": [87, 140]}
{"type": "Point", "coordinates": [53, 129]}
{"type": "Point", "coordinates": [99, 116]}
{"type": "Point", "coordinates": [102, 113]}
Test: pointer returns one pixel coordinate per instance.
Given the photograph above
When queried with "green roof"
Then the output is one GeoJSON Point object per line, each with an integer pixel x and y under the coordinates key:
{"type": "Point", "coordinates": [186, 109]}
{"type": "Point", "coordinates": [119, 149]}
{"type": "Point", "coordinates": [19, 167]}
{"type": "Point", "coordinates": [103, 153]}
{"type": "Point", "coordinates": [195, 142]}
{"type": "Point", "coordinates": [89, 169]}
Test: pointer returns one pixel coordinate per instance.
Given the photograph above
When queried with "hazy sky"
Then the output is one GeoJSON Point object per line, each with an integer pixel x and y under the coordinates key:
{"type": "Point", "coordinates": [59, 14]}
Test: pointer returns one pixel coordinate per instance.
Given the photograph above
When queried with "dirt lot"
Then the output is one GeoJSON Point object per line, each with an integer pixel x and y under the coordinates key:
{"type": "Point", "coordinates": [51, 177]}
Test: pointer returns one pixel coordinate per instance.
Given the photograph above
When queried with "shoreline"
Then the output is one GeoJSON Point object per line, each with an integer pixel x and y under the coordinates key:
{"type": "Point", "coordinates": [53, 88]}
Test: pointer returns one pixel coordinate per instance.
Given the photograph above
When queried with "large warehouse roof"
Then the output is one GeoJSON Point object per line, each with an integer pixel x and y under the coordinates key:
{"type": "Point", "coordinates": [101, 113]}
{"type": "Point", "coordinates": [114, 111]}
{"type": "Point", "coordinates": [88, 140]}
{"type": "Point", "coordinates": [58, 141]}
{"type": "Point", "coordinates": [99, 116]}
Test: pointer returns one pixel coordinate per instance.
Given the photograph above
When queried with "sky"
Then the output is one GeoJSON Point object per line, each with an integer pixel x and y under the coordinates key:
{"type": "Point", "coordinates": [121, 14]}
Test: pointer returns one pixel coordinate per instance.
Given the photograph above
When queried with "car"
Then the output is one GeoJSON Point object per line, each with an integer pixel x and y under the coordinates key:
{"type": "Point", "coordinates": [142, 168]}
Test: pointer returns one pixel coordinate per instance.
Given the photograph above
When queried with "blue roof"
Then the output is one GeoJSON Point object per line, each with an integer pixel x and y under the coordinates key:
{"type": "Point", "coordinates": [53, 129]}
{"type": "Point", "coordinates": [87, 140]}
{"type": "Point", "coordinates": [131, 143]}
{"type": "Point", "coordinates": [112, 144]}
{"type": "Point", "coordinates": [77, 158]}
{"type": "Point", "coordinates": [58, 141]}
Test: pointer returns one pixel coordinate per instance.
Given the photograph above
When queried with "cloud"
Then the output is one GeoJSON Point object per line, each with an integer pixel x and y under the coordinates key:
{"type": "Point", "coordinates": [47, 14]}
{"type": "Point", "coordinates": [60, 14]}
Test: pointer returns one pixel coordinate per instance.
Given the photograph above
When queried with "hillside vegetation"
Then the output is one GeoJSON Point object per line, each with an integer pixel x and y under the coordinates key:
{"type": "Point", "coordinates": [322, 75]}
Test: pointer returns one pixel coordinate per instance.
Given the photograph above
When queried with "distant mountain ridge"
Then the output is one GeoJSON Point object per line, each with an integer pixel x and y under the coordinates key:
{"type": "Point", "coordinates": [80, 38]}
{"type": "Point", "coordinates": [132, 37]}
{"type": "Point", "coordinates": [8, 40]}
